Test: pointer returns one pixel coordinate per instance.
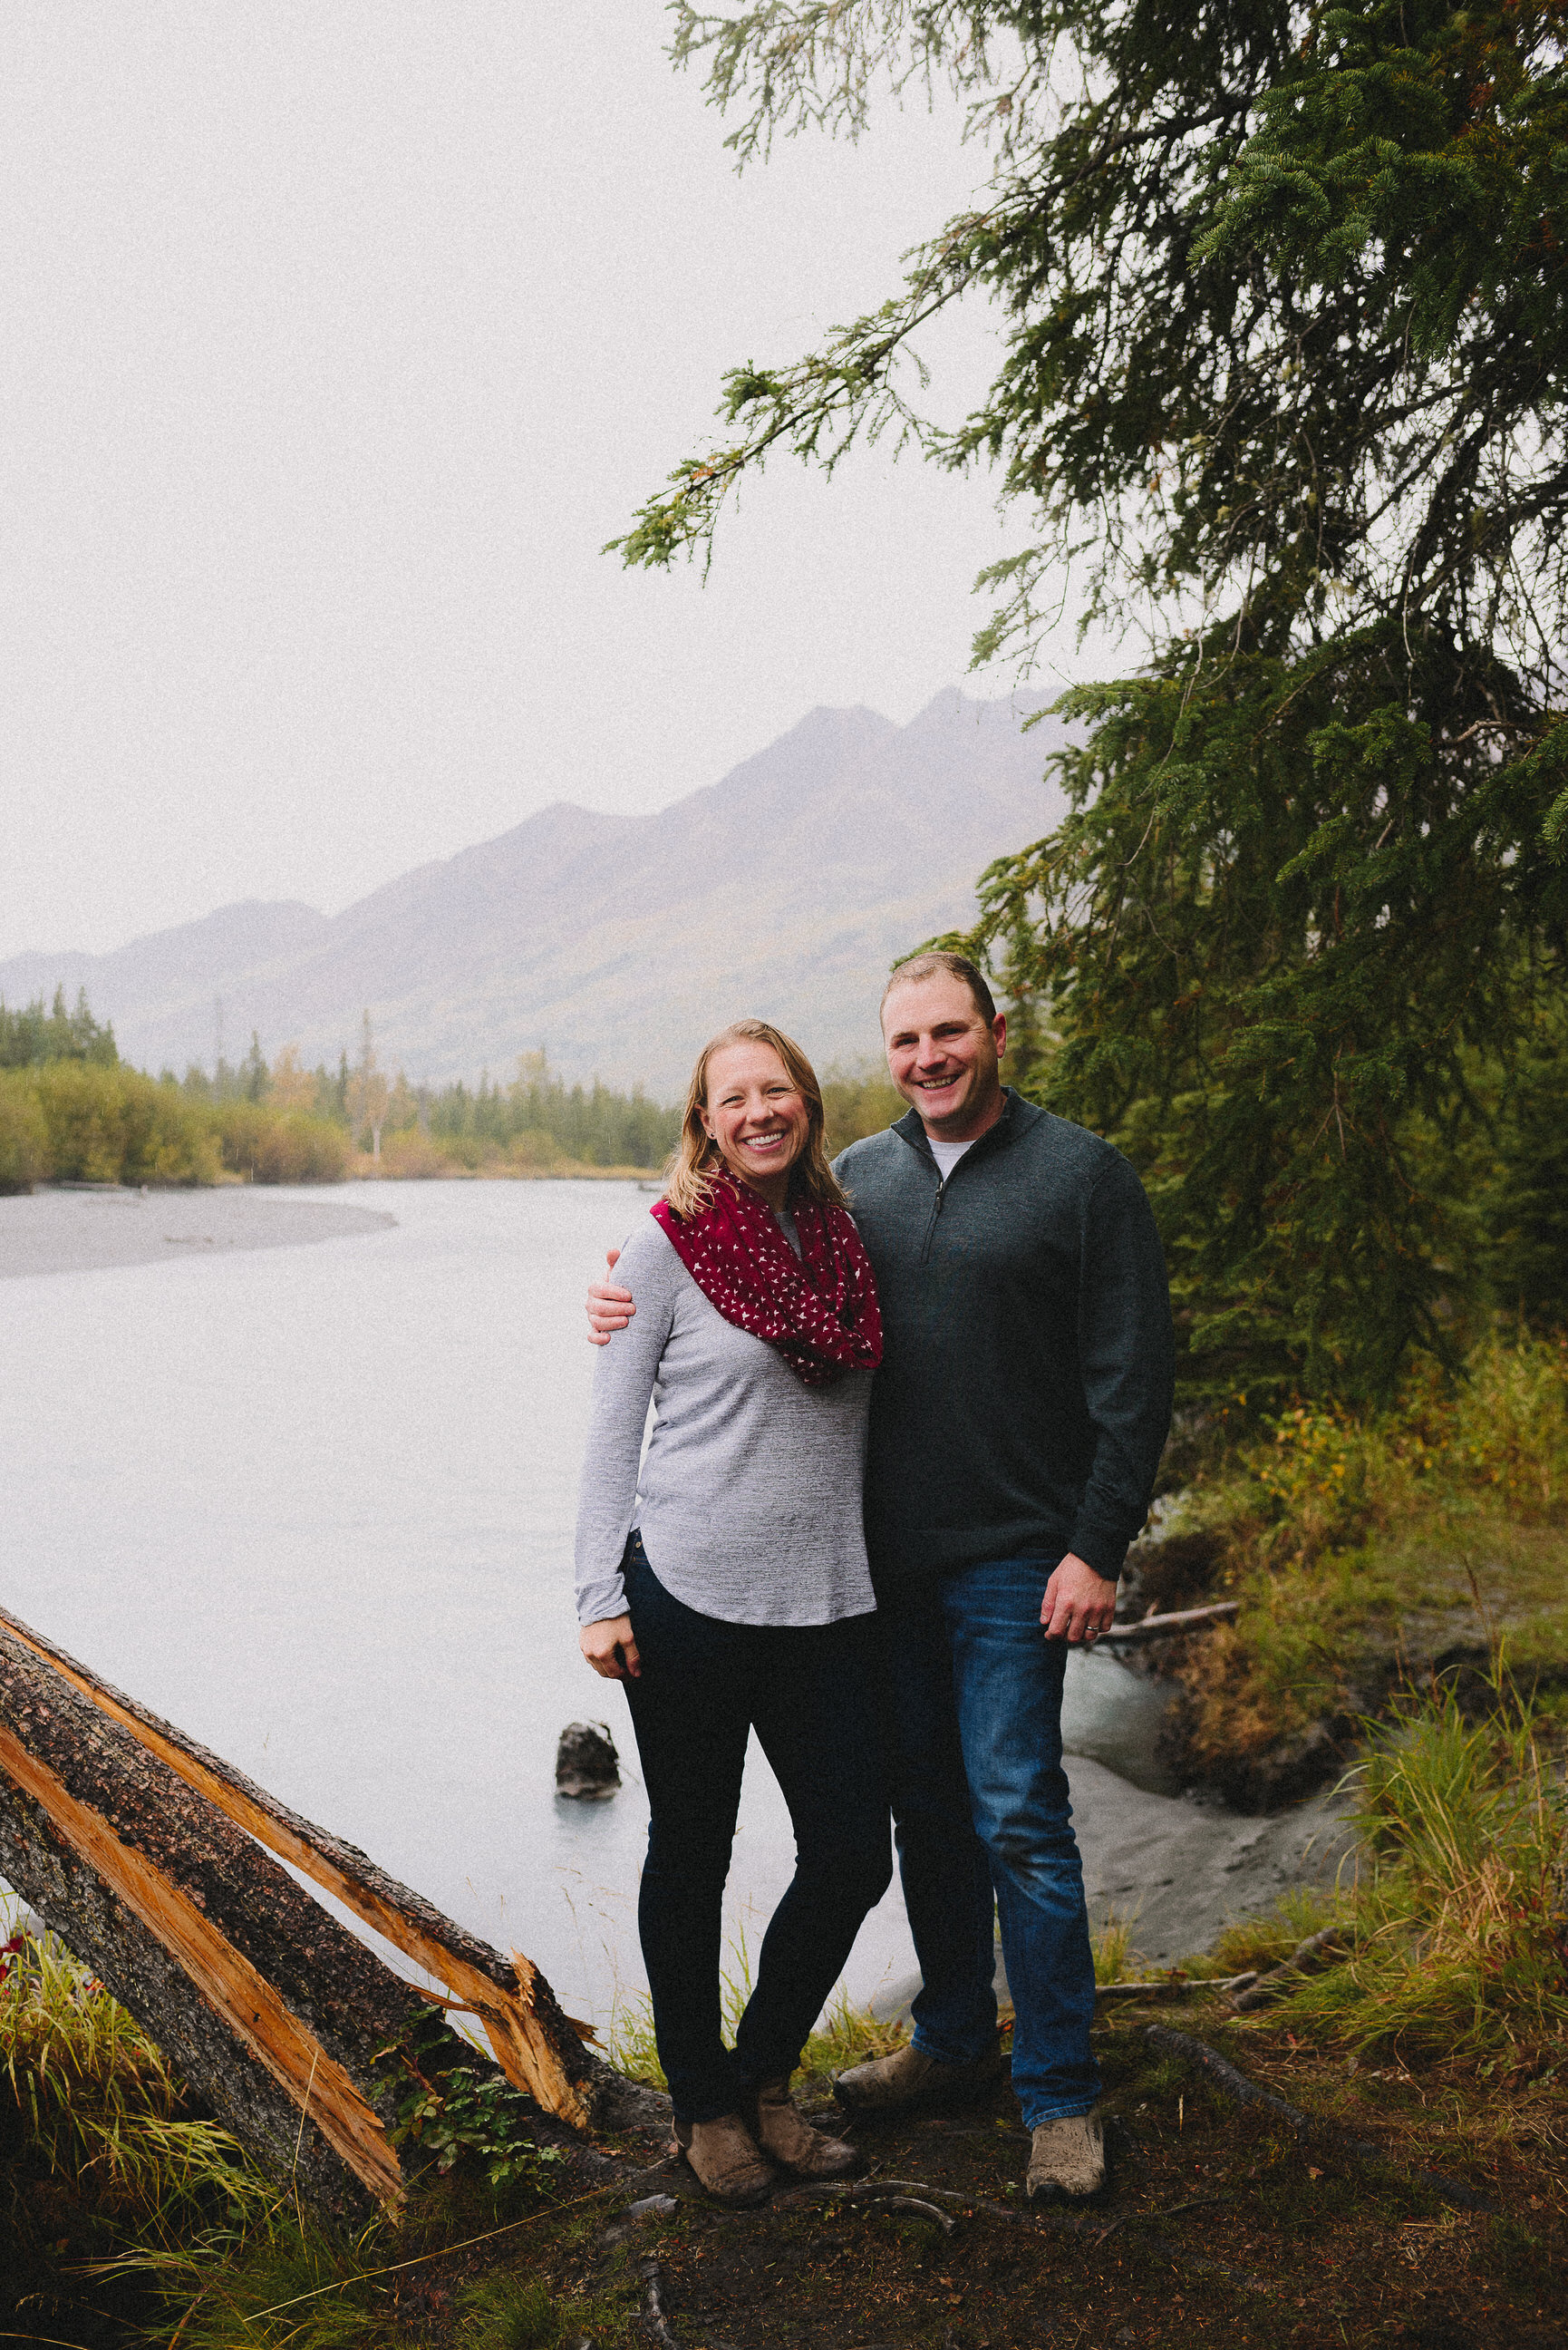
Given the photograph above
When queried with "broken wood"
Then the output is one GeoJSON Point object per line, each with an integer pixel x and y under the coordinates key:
{"type": "Point", "coordinates": [1176, 1986]}
{"type": "Point", "coordinates": [537, 2046]}
{"type": "Point", "coordinates": [144, 1854]}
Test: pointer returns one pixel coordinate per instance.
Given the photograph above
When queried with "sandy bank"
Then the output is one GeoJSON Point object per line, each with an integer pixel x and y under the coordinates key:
{"type": "Point", "coordinates": [1185, 1869]}
{"type": "Point", "coordinates": [1181, 1869]}
{"type": "Point", "coordinates": [89, 1232]}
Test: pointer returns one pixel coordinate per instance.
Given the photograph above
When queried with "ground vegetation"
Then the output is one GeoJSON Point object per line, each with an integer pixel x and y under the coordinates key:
{"type": "Point", "coordinates": [1374, 2151]}
{"type": "Point", "coordinates": [1364, 1550]}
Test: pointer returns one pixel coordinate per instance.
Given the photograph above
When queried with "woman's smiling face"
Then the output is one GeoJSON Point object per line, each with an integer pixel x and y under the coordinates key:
{"type": "Point", "coordinates": [757, 1116]}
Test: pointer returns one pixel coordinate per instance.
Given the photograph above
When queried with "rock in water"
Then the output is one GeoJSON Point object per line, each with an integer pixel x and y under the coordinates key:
{"type": "Point", "coordinates": [587, 1764]}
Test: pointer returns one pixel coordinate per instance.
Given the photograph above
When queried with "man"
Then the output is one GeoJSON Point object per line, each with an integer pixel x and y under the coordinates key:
{"type": "Point", "coordinates": [1016, 1427]}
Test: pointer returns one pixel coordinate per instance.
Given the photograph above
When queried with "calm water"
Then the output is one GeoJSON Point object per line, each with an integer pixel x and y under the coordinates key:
{"type": "Point", "coordinates": [315, 1505]}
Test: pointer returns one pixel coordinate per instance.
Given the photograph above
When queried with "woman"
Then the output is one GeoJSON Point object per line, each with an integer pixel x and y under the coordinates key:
{"type": "Point", "coordinates": [727, 1585]}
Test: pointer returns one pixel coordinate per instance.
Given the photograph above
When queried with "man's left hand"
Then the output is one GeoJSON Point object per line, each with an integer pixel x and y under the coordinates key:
{"type": "Point", "coordinates": [1078, 1604]}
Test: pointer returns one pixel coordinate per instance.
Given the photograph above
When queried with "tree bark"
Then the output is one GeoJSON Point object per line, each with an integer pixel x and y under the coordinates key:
{"type": "Point", "coordinates": [538, 2048]}
{"type": "Point", "coordinates": [143, 1851]}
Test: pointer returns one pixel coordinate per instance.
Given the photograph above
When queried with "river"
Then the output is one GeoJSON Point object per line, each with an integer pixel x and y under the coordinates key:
{"type": "Point", "coordinates": [314, 1504]}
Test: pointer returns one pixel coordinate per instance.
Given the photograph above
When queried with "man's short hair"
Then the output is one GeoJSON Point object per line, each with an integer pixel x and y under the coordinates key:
{"type": "Point", "coordinates": [957, 966]}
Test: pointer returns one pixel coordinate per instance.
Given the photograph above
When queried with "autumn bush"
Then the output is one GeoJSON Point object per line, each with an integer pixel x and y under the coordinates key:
{"type": "Point", "coordinates": [272, 1146]}
{"type": "Point", "coordinates": [1359, 1546]}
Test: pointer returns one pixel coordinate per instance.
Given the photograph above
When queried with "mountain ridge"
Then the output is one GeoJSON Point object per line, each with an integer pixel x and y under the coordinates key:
{"type": "Point", "coordinates": [615, 943]}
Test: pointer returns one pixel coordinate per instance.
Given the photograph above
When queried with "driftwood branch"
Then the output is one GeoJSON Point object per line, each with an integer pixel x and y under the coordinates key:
{"type": "Point", "coordinates": [1183, 1619]}
{"type": "Point", "coordinates": [1332, 1942]}
{"type": "Point", "coordinates": [1224, 2075]}
{"type": "Point", "coordinates": [1176, 1986]}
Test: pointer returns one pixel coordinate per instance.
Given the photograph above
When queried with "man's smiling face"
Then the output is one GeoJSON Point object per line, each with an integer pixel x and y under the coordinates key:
{"type": "Point", "coordinates": [943, 1055]}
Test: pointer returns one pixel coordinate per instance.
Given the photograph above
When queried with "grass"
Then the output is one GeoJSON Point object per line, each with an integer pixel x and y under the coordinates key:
{"type": "Point", "coordinates": [93, 2100]}
{"type": "Point", "coordinates": [1359, 1547]}
{"type": "Point", "coordinates": [100, 2151]}
{"type": "Point", "coordinates": [123, 2216]}
{"type": "Point", "coordinates": [1460, 1903]}
{"type": "Point", "coordinates": [1260, 1943]}
{"type": "Point", "coordinates": [1116, 1959]}
{"type": "Point", "coordinates": [846, 2035]}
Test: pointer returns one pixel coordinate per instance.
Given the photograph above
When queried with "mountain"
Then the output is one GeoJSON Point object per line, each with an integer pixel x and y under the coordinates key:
{"type": "Point", "coordinates": [616, 943]}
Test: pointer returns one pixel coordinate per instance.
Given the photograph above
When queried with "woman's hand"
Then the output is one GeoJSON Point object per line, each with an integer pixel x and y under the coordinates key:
{"type": "Point", "coordinates": [610, 1648]}
{"type": "Point", "coordinates": [1078, 1604]}
{"type": "Point", "coordinates": [609, 1310]}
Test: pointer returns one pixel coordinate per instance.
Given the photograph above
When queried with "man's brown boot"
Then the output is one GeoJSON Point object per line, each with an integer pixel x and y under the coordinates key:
{"type": "Point", "coordinates": [787, 2139]}
{"type": "Point", "coordinates": [724, 2156]}
{"type": "Point", "coordinates": [897, 2083]}
{"type": "Point", "coordinates": [1067, 2158]}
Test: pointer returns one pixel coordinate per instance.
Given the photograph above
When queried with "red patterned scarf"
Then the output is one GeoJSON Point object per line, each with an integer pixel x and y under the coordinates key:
{"type": "Point", "coordinates": [819, 1309]}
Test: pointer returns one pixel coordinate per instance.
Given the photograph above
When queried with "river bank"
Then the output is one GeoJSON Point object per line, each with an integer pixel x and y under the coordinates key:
{"type": "Point", "coordinates": [94, 1230]}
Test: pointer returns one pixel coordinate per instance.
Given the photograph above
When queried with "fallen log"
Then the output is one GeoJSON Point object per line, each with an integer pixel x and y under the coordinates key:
{"type": "Point", "coordinates": [144, 1853]}
{"type": "Point", "coordinates": [537, 2046]}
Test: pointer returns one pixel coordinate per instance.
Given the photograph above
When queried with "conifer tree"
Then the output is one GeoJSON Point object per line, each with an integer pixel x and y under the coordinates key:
{"type": "Point", "coordinates": [1284, 368]}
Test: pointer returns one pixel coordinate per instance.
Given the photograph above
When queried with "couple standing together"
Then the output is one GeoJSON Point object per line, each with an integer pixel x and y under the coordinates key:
{"type": "Point", "coordinates": [897, 1459]}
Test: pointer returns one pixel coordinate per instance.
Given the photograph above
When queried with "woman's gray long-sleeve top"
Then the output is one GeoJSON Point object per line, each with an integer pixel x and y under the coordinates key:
{"type": "Point", "coordinates": [748, 1501]}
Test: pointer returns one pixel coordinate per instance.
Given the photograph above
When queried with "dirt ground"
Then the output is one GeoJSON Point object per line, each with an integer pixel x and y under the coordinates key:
{"type": "Point", "coordinates": [1425, 2210]}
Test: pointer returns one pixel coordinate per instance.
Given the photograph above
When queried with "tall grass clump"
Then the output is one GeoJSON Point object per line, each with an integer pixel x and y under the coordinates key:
{"type": "Point", "coordinates": [1117, 1960]}
{"type": "Point", "coordinates": [92, 2101]}
{"type": "Point", "coordinates": [846, 2035]}
{"type": "Point", "coordinates": [98, 2152]}
{"type": "Point", "coordinates": [1460, 1904]}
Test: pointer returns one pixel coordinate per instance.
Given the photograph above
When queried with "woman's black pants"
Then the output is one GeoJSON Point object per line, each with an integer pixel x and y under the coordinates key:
{"type": "Point", "coordinates": [809, 1693]}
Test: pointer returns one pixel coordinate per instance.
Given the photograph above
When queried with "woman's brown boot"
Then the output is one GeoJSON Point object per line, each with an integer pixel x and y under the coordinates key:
{"type": "Point", "coordinates": [723, 2154]}
{"type": "Point", "coordinates": [788, 2139]}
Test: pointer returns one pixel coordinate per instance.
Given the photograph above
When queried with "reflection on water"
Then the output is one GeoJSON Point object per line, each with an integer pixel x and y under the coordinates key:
{"type": "Point", "coordinates": [315, 1505]}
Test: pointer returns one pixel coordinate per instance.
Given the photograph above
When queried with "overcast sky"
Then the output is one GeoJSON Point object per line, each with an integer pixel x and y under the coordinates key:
{"type": "Point", "coordinates": [337, 336]}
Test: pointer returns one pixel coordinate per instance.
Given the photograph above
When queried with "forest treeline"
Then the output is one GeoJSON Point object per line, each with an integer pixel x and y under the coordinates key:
{"type": "Point", "coordinates": [72, 1111]}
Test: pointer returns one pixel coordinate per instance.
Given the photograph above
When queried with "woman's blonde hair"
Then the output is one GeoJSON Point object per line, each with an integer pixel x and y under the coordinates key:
{"type": "Point", "coordinates": [697, 1159]}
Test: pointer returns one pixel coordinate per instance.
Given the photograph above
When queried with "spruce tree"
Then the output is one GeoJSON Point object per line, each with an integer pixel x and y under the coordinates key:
{"type": "Point", "coordinates": [1285, 367]}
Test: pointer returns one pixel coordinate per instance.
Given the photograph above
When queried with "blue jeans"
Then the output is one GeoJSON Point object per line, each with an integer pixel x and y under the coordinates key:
{"type": "Point", "coordinates": [973, 1732]}
{"type": "Point", "coordinates": [807, 1690]}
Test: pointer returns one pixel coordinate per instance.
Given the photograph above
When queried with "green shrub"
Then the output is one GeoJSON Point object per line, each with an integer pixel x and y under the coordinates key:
{"type": "Point", "coordinates": [509, 2312]}
{"type": "Point", "coordinates": [24, 1140]}
{"type": "Point", "coordinates": [1510, 1422]}
{"type": "Point", "coordinates": [112, 1124]}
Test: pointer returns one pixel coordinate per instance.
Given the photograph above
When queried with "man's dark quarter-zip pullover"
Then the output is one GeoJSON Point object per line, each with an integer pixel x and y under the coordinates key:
{"type": "Point", "coordinates": [1025, 1388]}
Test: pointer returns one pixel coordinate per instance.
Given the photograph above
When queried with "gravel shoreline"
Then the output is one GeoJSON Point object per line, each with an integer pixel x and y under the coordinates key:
{"type": "Point", "coordinates": [95, 1231]}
